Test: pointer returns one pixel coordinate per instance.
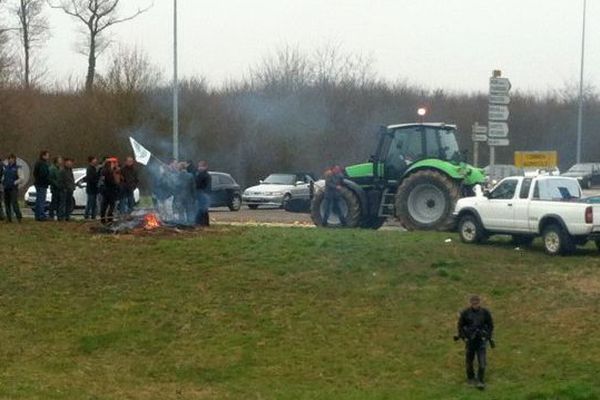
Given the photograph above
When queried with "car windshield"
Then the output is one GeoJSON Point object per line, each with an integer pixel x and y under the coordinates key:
{"type": "Point", "coordinates": [449, 147]}
{"type": "Point", "coordinates": [581, 168]}
{"type": "Point", "coordinates": [557, 189]}
{"type": "Point", "coordinates": [280, 179]}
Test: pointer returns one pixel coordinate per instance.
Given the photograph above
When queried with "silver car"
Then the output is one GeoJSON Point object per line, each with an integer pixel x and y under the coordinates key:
{"type": "Point", "coordinates": [280, 190]}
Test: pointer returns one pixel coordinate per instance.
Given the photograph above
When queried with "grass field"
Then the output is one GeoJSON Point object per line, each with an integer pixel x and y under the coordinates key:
{"type": "Point", "coordinates": [275, 313]}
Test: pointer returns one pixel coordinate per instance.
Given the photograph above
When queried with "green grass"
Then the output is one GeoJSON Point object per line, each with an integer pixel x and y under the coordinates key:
{"type": "Point", "coordinates": [274, 313]}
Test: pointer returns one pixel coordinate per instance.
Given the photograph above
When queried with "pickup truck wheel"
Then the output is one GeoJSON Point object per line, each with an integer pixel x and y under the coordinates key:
{"type": "Point", "coordinates": [557, 241]}
{"type": "Point", "coordinates": [522, 240]}
{"type": "Point", "coordinates": [470, 230]}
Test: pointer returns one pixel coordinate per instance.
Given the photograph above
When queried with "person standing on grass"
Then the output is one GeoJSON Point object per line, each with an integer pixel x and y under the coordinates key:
{"type": "Point", "coordinates": [66, 187]}
{"type": "Point", "coordinates": [334, 181]}
{"type": "Point", "coordinates": [10, 183]}
{"type": "Point", "coordinates": [54, 169]}
{"type": "Point", "coordinates": [111, 181]}
{"type": "Point", "coordinates": [41, 181]}
{"type": "Point", "coordinates": [92, 177]}
{"type": "Point", "coordinates": [128, 185]}
{"type": "Point", "coordinates": [475, 327]}
{"type": "Point", "coordinates": [203, 186]}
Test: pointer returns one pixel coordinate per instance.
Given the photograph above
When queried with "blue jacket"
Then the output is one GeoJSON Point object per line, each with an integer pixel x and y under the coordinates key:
{"type": "Point", "coordinates": [11, 177]}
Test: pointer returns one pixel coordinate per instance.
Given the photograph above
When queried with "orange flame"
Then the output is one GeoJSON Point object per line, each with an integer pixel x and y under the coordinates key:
{"type": "Point", "coordinates": [151, 221]}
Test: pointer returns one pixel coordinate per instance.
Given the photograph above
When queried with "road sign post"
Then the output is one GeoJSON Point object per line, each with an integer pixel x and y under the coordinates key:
{"type": "Point", "coordinates": [498, 113]}
{"type": "Point", "coordinates": [479, 135]}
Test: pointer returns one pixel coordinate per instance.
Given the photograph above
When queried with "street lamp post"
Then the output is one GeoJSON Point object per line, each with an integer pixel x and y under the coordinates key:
{"type": "Point", "coordinates": [175, 87]}
{"type": "Point", "coordinates": [580, 113]}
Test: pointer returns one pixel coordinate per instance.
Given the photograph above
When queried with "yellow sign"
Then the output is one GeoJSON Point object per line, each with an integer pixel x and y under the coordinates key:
{"type": "Point", "coordinates": [536, 159]}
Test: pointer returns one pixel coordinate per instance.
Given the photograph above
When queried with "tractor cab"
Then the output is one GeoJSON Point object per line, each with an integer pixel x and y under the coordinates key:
{"type": "Point", "coordinates": [401, 146]}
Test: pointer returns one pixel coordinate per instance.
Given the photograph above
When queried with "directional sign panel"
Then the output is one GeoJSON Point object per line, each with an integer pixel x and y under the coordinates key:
{"type": "Point", "coordinates": [499, 86]}
{"type": "Point", "coordinates": [498, 142]}
{"type": "Point", "coordinates": [499, 99]}
{"type": "Point", "coordinates": [478, 137]}
{"type": "Point", "coordinates": [498, 113]}
{"type": "Point", "coordinates": [498, 130]}
{"type": "Point", "coordinates": [480, 129]}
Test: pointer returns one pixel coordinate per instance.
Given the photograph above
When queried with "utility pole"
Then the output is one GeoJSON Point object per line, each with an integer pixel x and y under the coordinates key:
{"type": "Point", "coordinates": [580, 113]}
{"type": "Point", "coordinates": [175, 87]}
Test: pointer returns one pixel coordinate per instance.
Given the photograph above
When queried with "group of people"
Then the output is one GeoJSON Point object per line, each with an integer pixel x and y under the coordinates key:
{"type": "Point", "coordinates": [112, 185]}
{"type": "Point", "coordinates": [181, 191]}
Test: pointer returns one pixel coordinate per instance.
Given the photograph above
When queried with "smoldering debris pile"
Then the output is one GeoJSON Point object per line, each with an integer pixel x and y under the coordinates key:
{"type": "Point", "coordinates": [142, 223]}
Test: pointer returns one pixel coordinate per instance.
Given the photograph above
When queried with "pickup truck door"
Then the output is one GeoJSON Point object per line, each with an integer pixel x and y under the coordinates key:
{"type": "Point", "coordinates": [521, 206]}
{"type": "Point", "coordinates": [497, 213]}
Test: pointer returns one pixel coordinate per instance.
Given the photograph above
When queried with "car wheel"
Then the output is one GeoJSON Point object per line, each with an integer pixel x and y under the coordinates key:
{"type": "Point", "coordinates": [286, 201]}
{"type": "Point", "coordinates": [253, 206]}
{"type": "Point", "coordinates": [236, 203]}
{"type": "Point", "coordinates": [557, 241]}
{"type": "Point", "coordinates": [470, 229]}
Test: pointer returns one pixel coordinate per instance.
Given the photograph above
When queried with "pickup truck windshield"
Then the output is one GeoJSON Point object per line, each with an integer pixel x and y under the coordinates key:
{"type": "Point", "coordinates": [556, 189]}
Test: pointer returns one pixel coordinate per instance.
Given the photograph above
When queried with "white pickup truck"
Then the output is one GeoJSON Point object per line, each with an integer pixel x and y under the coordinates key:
{"type": "Point", "coordinates": [548, 206]}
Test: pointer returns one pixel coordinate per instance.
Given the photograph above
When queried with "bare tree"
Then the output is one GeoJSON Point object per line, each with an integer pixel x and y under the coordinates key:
{"type": "Point", "coordinates": [33, 31]}
{"type": "Point", "coordinates": [5, 56]}
{"type": "Point", "coordinates": [130, 71]}
{"type": "Point", "coordinates": [97, 16]}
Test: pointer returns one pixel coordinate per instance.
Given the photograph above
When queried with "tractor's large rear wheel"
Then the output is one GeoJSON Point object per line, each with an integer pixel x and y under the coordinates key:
{"type": "Point", "coordinates": [425, 201]}
{"type": "Point", "coordinates": [349, 206]}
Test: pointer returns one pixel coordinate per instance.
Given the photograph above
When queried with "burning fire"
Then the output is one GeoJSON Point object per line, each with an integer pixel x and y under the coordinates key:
{"type": "Point", "coordinates": [151, 221]}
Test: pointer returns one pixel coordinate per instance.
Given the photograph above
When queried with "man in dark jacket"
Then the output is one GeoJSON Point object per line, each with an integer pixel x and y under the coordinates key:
{"type": "Point", "coordinates": [111, 181]}
{"type": "Point", "coordinates": [476, 327]}
{"type": "Point", "coordinates": [334, 181]}
{"type": "Point", "coordinates": [41, 181]}
{"type": "Point", "coordinates": [66, 187]}
{"type": "Point", "coordinates": [203, 186]}
{"type": "Point", "coordinates": [128, 185]}
{"type": "Point", "coordinates": [91, 188]}
{"type": "Point", "coordinates": [55, 168]}
{"type": "Point", "coordinates": [10, 183]}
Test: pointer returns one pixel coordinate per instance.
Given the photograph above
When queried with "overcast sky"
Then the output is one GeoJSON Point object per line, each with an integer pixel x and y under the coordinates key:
{"type": "Point", "coordinates": [449, 44]}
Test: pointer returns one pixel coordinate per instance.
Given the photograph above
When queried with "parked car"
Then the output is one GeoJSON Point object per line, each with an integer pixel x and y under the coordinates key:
{"type": "Point", "coordinates": [79, 195]}
{"type": "Point", "coordinates": [495, 173]}
{"type": "Point", "coordinates": [225, 191]}
{"type": "Point", "coordinates": [546, 206]}
{"type": "Point", "coordinates": [280, 190]}
{"type": "Point", "coordinates": [588, 174]}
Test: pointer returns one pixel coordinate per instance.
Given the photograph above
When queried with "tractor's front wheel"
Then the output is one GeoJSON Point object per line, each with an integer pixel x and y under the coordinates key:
{"type": "Point", "coordinates": [348, 205]}
{"type": "Point", "coordinates": [425, 201]}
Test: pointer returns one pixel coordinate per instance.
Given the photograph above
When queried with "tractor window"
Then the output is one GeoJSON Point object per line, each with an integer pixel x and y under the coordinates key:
{"type": "Point", "coordinates": [505, 190]}
{"type": "Point", "coordinates": [449, 147]}
{"type": "Point", "coordinates": [432, 143]}
{"type": "Point", "coordinates": [405, 148]}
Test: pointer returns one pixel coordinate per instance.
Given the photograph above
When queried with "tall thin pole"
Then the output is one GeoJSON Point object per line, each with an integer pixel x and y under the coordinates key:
{"type": "Point", "coordinates": [175, 87]}
{"type": "Point", "coordinates": [580, 114]}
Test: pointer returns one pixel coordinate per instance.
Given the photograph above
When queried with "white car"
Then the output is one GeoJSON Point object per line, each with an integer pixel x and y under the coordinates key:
{"type": "Point", "coordinates": [279, 190]}
{"type": "Point", "coordinates": [547, 206]}
{"type": "Point", "coordinates": [79, 195]}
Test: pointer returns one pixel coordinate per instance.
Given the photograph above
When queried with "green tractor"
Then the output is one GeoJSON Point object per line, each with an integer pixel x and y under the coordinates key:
{"type": "Point", "coordinates": [416, 175]}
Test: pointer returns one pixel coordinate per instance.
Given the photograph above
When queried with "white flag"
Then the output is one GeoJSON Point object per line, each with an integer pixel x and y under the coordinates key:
{"type": "Point", "coordinates": [142, 154]}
